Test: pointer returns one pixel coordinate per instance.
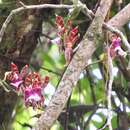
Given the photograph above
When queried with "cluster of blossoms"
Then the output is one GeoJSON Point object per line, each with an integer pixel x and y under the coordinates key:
{"type": "Point", "coordinates": [67, 37]}
{"type": "Point", "coordinates": [115, 47]}
{"type": "Point", "coordinates": [29, 84]}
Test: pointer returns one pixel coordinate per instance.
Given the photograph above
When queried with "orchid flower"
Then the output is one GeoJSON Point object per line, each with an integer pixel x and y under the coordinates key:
{"type": "Point", "coordinates": [33, 97]}
{"type": "Point", "coordinates": [57, 41]}
{"type": "Point", "coordinates": [115, 48]}
{"type": "Point", "coordinates": [60, 25]}
{"type": "Point", "coordinates": [59, 22]}
{"type": "Point", "coordinates": [33, 90]}
{"type": "Point", "coordinates": [31, 85]}
{"type": "Point", "coordinates": [14, 77]}
{"type": "Point", "coordinates": [67, 37]}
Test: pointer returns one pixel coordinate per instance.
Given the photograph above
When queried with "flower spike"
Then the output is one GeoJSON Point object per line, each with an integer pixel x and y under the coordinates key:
{"type": "Point", "coordinates": [67, 37]}
{"type": "Point", "coordinates": [31, 85]}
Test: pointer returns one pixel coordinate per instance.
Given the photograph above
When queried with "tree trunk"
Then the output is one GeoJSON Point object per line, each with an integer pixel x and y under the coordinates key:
{"type": "Point", "coordinates": [18, 43]}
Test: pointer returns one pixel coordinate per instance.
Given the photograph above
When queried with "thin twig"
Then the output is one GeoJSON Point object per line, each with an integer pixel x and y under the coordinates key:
{"type": "Point", "coordinates": [18, 60]}
{"type": "Point", "coordinates": [91, 82]}
{"type": "Point", "coordinates": [109, 83]}
{"type": "Point", "coordinates": [111, 78]}
{"type": "Point", "coordinates": [89, 119]}
{"type": "Point", "coordinates": [24, 124]}
{"type": "Point", "coordinates": [104, 125]}
{"type": "Point", "coordinates": [84, 8]}
{"type": "Point", "coordinates": [28, 7]}
{"type": "Point", "coordinates": [44, 68]}
{"type": "Point", "coordinates": [22, 4]}
{"type": "Point", "coordinates": [5, 85]}
{"type": "Point", "coordinates": [96, 62]}
{"type": "Point", "coordinates": [45, 35]}
{"type": "Point", "coordinates": [61, 77]}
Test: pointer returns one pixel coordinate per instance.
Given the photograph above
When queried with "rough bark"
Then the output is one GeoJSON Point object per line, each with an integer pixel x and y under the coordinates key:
{"type": "Point", "coordinates": [78, 63]}
{"type": "Point", "coordinates": [121, 18]}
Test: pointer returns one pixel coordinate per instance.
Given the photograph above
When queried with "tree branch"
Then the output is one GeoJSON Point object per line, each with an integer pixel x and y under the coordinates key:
{"type": "Point", "coordinates": [121, 18]}
{"type": "Point", "coordinates": [27, 7]}
{"type": "Point", "coordinates": [41, 6]}
{"type": "Point", "coordinates": [74, 69]}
